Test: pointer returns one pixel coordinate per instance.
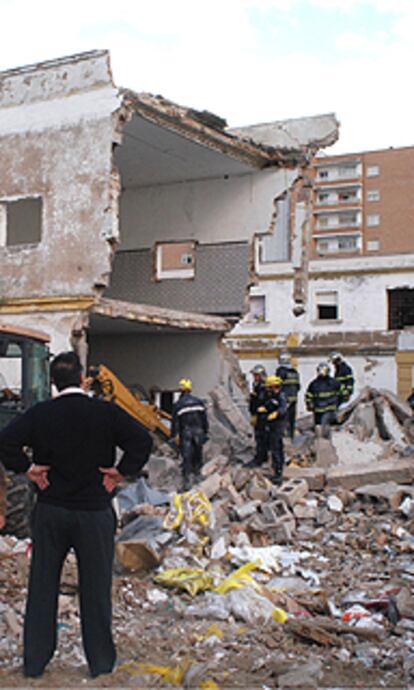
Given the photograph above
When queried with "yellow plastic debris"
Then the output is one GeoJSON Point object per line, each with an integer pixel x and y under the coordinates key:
{"type": "Point", "coordinates": [208, 685]}
{"type": "Point", "coordinates": [280, 616]}
{"type": "Point", "coordinates": [192, 580]}
{"type": "Point", "coordinates": [174, 675]}
{"type": "Point", "coordinates": [192, 506]}
{"type": "Point", "coordinates": [240, 578]}
{"type": "Point", "coordinates": [215, 630]}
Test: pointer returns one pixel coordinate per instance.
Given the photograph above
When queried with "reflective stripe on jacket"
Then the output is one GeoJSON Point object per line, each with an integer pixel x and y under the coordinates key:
{"type": "Point", "coordinates": [291, 382]}
{"type": "Point", "coordinates": [345, 377]}
{"type": "Point", "coordinates": [324, 394]}
{"type": "Point", "coordinates": [188, 412]}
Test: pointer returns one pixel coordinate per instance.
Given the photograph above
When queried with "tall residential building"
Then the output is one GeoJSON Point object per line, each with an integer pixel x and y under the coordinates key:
{"type": "Point", "coordinates": [364, 204]}
{"type": "Point", "coordinates": [337, 272]}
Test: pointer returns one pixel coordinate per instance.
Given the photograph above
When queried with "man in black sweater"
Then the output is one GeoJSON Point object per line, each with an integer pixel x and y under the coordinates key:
{"type": "Point", "coordinates": [73, 438]}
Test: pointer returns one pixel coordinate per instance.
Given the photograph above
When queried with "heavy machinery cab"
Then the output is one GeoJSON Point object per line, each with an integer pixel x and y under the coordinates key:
{"type": "Point", "coordinates": [24, 370]}
{"type": "Point", "coordinates": [24, 381]}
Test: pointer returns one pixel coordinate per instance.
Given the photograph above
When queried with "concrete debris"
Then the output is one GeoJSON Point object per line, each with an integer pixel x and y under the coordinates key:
{"type": "Point", "coordinates": [250, 584]}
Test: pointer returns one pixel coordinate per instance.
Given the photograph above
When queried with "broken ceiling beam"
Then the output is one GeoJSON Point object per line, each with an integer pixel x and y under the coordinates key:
{"type": "Point", "coordinates": [209, 131]}
{"type": "Point", "coordinates": [159, 316]}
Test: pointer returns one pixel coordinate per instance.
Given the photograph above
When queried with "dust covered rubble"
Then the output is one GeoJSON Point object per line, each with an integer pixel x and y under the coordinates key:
{"type": "Point", "coordinates": [244, 584]}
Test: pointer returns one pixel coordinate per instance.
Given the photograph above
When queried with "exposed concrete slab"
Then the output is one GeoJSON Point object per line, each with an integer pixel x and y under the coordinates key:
{"type": "Point", "coordinates": [326, 455]}
{"type": "Point", "coordinates": [389, 492]}
{"type": "Point", "coordinates": [314, 476]}
{"type": "Point", "coordinates": [294, 134]}
{"type": "Point", "coordinates": [158, 316]}
{"type": "Point", "coordinates": [401, 471]}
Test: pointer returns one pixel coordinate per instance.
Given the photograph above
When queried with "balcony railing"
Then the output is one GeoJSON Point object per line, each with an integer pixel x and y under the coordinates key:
{"type": "Point", "coordinates": [337, 201]}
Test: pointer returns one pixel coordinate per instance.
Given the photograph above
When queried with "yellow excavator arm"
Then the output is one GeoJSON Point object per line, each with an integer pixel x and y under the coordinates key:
{"type": "Point", "coordinates": [108, 386]}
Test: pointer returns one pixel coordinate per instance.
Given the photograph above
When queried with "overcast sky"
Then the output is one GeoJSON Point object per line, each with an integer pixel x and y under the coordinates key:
{"type": "Point", "coordinates": [248, 61]}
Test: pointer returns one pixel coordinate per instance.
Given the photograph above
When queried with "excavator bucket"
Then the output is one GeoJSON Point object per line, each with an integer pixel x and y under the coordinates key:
{"type": "Point", "coordinates": [108, 386]}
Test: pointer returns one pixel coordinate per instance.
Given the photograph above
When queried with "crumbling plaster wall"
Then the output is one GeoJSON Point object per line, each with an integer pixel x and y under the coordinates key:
{"type": "Point", "coordinates": [61, 151]}
{"type": "Point", "coordinates": [213, 210]}
{"type": "Point", "coordinates": [57, 126]}
{"type": "Point", "coordinates": [362, 303]}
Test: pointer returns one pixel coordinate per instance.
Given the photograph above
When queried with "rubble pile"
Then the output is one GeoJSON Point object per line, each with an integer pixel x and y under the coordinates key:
{"type": "Point", "coordinates": [238, 583]}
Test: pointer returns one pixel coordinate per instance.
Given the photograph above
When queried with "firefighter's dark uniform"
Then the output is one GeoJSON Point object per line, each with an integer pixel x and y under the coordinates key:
{"type": "Point", "coordinates": [257, 397]}
{"type": "Point", "coordinates": [189, 421]}
{"type": "Point", "coordinates": [290, 387]}
{"type": "Point", "coordinates": [271, 415]}
{"type": "Point", "coordinates": [323, 396]}
{"type": "Point", "coordinates": [410, 401]}
{"type": "Point", "coordinates": [345, 377]}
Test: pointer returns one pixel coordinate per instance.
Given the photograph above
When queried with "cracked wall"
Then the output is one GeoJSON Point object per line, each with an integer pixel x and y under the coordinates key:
{"type": "Point", "coordinates": [56, 135]}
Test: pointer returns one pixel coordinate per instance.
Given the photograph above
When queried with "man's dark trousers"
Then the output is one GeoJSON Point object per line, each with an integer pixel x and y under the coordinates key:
{"type": "Point", "coordinates": [272, 440]}
{"type": "Point", "coordinates": [191, 448]}
{"type": "Point", "coordinates": [90, 533]}
{"type": "Point", "coordinates": [291, 419]}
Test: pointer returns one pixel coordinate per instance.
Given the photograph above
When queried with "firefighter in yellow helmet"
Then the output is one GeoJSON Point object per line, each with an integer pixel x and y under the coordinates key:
{"type": "Point", "coordinates": [271, 416]}
{"type": "Point", "coordinates": [189, 422]}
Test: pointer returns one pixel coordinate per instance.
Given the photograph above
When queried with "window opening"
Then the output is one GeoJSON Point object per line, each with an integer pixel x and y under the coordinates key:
{"type": "Point", "coordinates": [327, 306]}
{"type": "Point", "coordinates": [20, 221]}
{"type": "Point", "coordinates": [175, 260]}
{"type": "Point", "coordinates": [400, 308]}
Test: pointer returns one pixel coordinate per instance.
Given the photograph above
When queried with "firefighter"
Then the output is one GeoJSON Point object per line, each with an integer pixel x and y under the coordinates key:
{"type": "Point", "coordinates": [256, 398]}
{"type": "Point", "coordinates": [290, 387]}
{"type": "Point", "coordinates": [271, 415]}
{"type": "Point", "coordinates": [410, 400]}
{"type": "Point", "coordinates": [323, 397]}
{"type": "Point", "coordinates": [343, 374]}
{"type": "Point", "coordinates": [189, 422]}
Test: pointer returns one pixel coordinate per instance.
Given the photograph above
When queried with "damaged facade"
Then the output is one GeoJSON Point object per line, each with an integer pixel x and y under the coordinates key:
{"type": "Point", "coordinates": [128, 223]}
{"type": "Point", "coordinates": [340, 277]}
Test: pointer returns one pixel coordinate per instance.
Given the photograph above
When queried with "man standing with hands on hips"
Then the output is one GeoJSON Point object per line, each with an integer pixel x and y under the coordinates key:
{"type": "Point", "coordinates": [73, 438]}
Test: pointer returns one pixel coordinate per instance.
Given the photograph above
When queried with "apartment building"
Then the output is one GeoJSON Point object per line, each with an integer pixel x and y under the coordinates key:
{"type": "Point", "coordinates": [340, 276]}
{"type": "Point", "coordinates": [364, 203]}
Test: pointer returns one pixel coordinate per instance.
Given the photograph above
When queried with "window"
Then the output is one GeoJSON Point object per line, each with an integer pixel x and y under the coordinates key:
{"type": "Point", "coordinates": [326, 306]}
{"type": "Point", "coordinates": [175, 260]}
{"type": "Point", "coordinates": [348, 219]}
{"type": "Point", "coordinates": [373, 195]}
{"type": "Point", "coordinates": [164, 400]}
{"type": "Point", "coordinates": [373, 245]}
{"type": "Point", "coordinates": [347, 196]}
{"type": "Point", "coordinates": [323, 221]}
{"type": "Point", "coordinates": [337, 244]}
{"type": "Point", "coordinates": [20, 221]}
{"type": "Point", "coordinates": [257, 308]}
{"type": "Point", "coordinates": [372, 170]}
{"type": "Point", "coordinates": [400, 308]}
{"type": "Point", "coordinates": [346, 244]}
{"type": "Point", "coordinates": [347, 171]}
{"type": "Point", "coordinates": [323, 198]}
{"type": "Point", "coordinates": [323, 174]}
{"type": "Point", "coordinates": [373, 219]}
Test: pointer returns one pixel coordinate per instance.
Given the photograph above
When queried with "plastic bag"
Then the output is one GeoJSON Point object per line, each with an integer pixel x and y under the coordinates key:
{"type": "Point", "coordinates": [238, 579]}
{"type": "Point", "coordinates": [169, 674]}
{"type": "Point", "coordinates": [192, 580]}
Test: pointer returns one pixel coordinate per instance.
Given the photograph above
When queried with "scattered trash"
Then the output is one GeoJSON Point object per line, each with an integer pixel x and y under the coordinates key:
{"type": "Point", "coordinates": [239, 583]}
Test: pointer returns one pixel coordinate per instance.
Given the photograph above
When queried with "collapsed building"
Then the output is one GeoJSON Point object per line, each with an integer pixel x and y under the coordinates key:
{"type": "Point", "coordinates": [127, 223]}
